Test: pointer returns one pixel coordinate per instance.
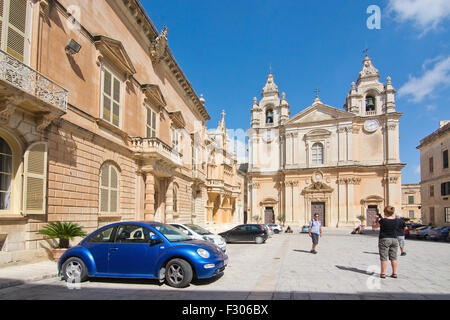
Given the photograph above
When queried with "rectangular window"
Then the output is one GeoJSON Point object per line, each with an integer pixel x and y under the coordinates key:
{"type": "Point", "coordinates": [431, 215]}
{"type": "Point", "coordinates": [111, 98]}
{"type": "Point", "coordinates": [431, 191]}
{"type": "Point", "coordinates": [410, 199]}
{"type": "Point", "coordinates": [431, 162]}
{"type": "Point", "coordinates": [13, 27]}
{"type": "Point", "coordinates": [445, 188]}
{"type": "Point", "coordinates": [447, 215]}
{"type": "Point", "coordinates": [445, 159]}
{"type": "Point", "coordinates": [175, 140]}
{"type": "Point", "coordinates": [151, 123]}
{"type": "Point", "coordinates": [411, 214]}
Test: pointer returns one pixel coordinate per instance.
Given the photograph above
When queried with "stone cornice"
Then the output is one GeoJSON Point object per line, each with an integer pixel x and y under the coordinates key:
{"type": "Point", "coordinates": [434, 136]}
{"type": "Point", "coordinates": [146, 25]}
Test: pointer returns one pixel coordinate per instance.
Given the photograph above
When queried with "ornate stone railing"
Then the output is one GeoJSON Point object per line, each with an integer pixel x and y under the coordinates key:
{"type": "Point", "coordinates": [156, 148]}
{"type": "Point", "coordinates": [215, 183]}
{"type": "Point", "coordinates": [198, 175]}
{"type": "Point", "coordinates": [371, 113]}
{"type": "Point", "coordinates": [32, 82]}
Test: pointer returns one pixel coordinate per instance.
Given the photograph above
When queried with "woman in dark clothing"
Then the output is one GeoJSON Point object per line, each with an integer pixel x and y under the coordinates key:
{"type": "Point", "coordinates": [388, 242]}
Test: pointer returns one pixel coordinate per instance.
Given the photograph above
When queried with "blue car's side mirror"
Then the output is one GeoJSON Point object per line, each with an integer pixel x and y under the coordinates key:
{"type": "Point", "coordinates": [154, 239]}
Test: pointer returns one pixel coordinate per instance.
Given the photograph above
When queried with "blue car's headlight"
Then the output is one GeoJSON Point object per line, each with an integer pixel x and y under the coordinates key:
{"type": "Point", "coordinates": [203, 253]}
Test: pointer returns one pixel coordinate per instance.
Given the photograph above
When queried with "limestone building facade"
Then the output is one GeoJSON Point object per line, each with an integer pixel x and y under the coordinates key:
{"type": "Point", "coordinates": [435, 176]}
{"type": "Point", "coordinates": [411, 202]}
{"type": "Point", "coordinates": [98, 122]}
{"type": "Point", "coordinates": [224, 183]}
{"type": "Point", "coordinates": [339, 163]}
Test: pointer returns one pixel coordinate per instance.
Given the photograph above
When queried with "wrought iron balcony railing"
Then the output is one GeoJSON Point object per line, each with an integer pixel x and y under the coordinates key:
{"type": "Point", "coordinates": [22, 77]}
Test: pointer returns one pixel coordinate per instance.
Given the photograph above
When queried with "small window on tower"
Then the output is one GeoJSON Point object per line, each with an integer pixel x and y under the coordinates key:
{"type": "Point", "coordinates": [370, 104]}
{"type": "Point", "coordinates": [269, 116]}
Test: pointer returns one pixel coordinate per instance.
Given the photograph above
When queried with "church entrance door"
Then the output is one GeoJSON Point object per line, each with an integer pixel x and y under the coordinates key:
{"type": "Point", "coordinates": [371, 215]}
{"type": "Point", "coordinates": [269, 215]}
{"type": "Point", "coordinates": [318, 208]}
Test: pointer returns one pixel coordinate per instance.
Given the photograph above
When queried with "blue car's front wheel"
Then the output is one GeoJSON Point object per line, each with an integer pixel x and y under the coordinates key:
{"type": "Point", "coordinates": [74, 270]}
{"type": "Point", "coordinates": [178, 273]}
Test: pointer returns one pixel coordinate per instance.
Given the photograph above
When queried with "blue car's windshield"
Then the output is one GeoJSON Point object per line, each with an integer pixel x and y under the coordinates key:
{"type": "Point", "coordinates": [171, 233]}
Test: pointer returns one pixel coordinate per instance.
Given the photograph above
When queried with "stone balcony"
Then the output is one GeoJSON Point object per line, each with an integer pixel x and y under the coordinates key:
{"type": "Point", "coordinates": [156, 150]}
{"type": "Point", "coordinates": [23, 87]}
{"type": "Point", "coordinates": [198, 175]}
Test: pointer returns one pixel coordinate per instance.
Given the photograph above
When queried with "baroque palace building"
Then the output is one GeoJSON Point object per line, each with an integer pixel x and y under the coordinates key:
{"type": "Point", "coordinates": [98, 122]}
{"type": "Point", "coordinates": [339, 163]}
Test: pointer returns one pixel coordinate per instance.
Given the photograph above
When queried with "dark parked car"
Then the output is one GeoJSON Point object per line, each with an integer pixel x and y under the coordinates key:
{"type": "Point", "coordinates": [411, 226]}
{"type": "Point", "coordinates": [246, 232]}
{"type": "Point", "coordinates": [439, 233]}
{"type": "Point", "coordinates": [142, 250]}
{"type": "Point", "coordinates": [420, 232]}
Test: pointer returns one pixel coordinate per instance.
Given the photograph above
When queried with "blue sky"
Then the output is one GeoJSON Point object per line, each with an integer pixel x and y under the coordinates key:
{"type": "Point", "coordinates": [226, 48]}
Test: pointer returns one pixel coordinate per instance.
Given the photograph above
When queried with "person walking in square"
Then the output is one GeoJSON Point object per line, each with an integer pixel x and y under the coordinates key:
{"type": "Point", "coordinates": [387, 240]}
{"type": "Point", "coordinates": [401, 234]}
{"type": "Point", "coordinates": [315, 231]}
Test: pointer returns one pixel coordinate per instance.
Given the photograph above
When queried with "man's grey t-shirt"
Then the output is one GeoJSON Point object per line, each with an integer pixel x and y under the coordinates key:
{"type": "Point", "coordinates": [315, 226]}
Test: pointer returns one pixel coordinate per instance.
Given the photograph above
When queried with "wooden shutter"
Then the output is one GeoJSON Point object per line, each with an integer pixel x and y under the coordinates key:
{"type": "Point", "coordinates": [109, 189]}
{"type": "Point", "coordinates": [16, 28]}
{"type": "Point", "coordinates": [111, 98]}
{"type": "Point", "coordinates": [35, 179]}
{"type": "Point", "coordinates": [107, 92]}
{"type": "Point", "coordinates": [116, 103]}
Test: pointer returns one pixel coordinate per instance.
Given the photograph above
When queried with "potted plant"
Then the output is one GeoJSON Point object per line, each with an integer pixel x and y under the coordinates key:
{"type": "Point", "coordinates": [282, 219]}
{"type": "Point", "coordinates": [256, 218]}
{"type": "Point", "coordinates": [64, 231]}
{"type": "Point", "coordinates": [361, 218]}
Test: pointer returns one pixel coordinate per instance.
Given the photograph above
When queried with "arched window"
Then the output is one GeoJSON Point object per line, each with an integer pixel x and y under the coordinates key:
{"type": "Point", "coordinates": [109, 189]}
{"type": "Point", "coordinates": [317, 153]}
{"type": "Point", "coordinates": [370, 104]}
{"type": "Point", "coordinates": [175, 198]}
{"type": "Point", "coordinates": [6, 171]}
{"type": "Point", "coordinates": [269, 116]}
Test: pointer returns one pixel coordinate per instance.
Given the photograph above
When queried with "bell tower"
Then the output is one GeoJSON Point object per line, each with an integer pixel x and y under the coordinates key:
{"type": "Point", "coordinates": [368, 96]}
{"type": "Point", "coordinates": [272, 111]}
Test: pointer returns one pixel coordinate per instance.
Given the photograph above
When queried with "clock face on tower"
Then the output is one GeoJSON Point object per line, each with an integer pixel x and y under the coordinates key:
{"type": "Point", "coordinates": [371, 125]}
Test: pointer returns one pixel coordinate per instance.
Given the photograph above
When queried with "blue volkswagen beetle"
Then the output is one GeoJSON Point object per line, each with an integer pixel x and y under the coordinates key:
{"type": "Point", "coordinates": [142, 250]}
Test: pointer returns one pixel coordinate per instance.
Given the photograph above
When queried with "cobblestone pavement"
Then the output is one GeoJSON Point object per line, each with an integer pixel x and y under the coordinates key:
{"type": "Point", "coordinates": [346, 267]}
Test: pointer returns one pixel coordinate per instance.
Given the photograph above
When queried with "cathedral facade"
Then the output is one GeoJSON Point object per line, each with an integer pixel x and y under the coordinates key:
{"type": "Point", "coordinates": [343, 164]}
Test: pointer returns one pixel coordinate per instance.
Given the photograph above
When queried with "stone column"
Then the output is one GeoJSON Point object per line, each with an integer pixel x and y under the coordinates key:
{"type": "Point", "coordinates": [149, 204]}
{"type": "Point", "coordinates": [169, 213]}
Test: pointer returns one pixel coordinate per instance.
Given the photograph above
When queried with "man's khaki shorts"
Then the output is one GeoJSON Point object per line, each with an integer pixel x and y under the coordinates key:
{"type": "Point", "coordinates": [388, 248]}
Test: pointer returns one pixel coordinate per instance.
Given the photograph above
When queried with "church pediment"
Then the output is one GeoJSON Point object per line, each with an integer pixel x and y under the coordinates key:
{"type": "Point", "coordinates": [115, 52]}
{"type": "Point", "coordinates": [317, 187]}
{"type": "Point", "coordinates": [319, 113]}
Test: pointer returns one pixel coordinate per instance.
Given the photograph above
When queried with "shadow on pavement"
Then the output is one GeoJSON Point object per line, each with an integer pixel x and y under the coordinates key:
{"type": "Point", "coordinates": [196, 282]}
{"type": "Point", "coordinates": [304, 251]}
{"type": "Point", "coordinates": [355, 270]}
{"type": "Point", "coordinates": [152, 291]}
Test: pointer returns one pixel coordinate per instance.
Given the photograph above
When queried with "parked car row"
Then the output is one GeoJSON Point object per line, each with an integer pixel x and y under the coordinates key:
{"type": "Point", "coordinates": [174, 253]}
{"type": "Point", "coordinates": [428, 232]}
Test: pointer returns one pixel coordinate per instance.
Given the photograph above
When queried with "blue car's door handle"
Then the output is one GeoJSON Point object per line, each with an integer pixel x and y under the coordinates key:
{"type": "Point", "coordinates": [113, 249]}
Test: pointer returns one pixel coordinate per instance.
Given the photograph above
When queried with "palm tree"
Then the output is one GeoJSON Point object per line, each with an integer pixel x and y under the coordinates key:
{"type": "Point", "coordinates": [64, 231]}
